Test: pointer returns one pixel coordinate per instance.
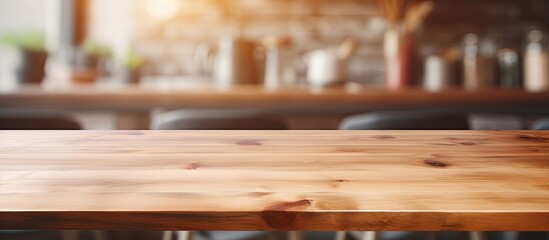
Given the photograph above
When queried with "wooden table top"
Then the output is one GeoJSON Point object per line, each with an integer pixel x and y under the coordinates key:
{"type": "Point", "coordinates": [338, 98]}
{"type": "Point", "coordinates": [265, 180]}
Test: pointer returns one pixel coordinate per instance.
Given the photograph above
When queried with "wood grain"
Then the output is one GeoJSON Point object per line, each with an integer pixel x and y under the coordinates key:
{"type": "Point", "coordinates": [275, 180]}
{"type": "Point", "coordinates": [331, 99]}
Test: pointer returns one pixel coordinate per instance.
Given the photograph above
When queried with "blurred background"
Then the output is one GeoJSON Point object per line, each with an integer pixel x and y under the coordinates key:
{"type": "Point", "coordinates": [303, 55]}
{"type": "Point", "coordinates": [114, 65]}
{"type": "Point", "coordinates": [167, 33]}
{"type": "Point", "coordinates": [274, 64]}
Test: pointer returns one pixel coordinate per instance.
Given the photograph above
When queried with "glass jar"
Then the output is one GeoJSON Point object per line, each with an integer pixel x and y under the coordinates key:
{"type": "Point", "coordinates": [509, 70]}
{"type": "Point", "coordinates": [398, 48]}
{"type": "Point", "coordinates": [479, 62]}
{"type": "Point", "coordinates": [280, 63]}
{"type": "Point", "coordinates": [536, 62]}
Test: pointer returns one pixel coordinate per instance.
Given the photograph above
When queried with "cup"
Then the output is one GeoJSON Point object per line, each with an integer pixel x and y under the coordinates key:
{"type": "Point", "coordinates": [325, 67]}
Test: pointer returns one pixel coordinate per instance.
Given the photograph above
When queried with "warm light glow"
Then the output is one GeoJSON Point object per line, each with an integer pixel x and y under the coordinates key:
{"type": "Point", "coordinates": [161, 10]}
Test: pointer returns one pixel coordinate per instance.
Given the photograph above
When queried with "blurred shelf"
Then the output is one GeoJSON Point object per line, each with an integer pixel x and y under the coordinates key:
{"type": "Point", "coordinates": [337, 99]}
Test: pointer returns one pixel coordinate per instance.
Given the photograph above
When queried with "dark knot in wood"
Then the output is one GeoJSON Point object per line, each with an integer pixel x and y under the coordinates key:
{"type": "Point", "coordinates": [193, 166]}
{"type": "Point", "coordinates": [436, 163]}
{"type": "Point", "coordinates": [384, 137]}
{"type": "Point", "coordinates": [248, 143]}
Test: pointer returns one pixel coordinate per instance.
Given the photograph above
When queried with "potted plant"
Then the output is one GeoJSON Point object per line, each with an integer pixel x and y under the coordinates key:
{"type": "Point", "coordinates": [130, 70]}
{"type": "Point", "coordinates": [92, 60]}
{"type": "Point", "coordinates": [33, 55]}
{"type": "Point", "coordinates": [94, 54]}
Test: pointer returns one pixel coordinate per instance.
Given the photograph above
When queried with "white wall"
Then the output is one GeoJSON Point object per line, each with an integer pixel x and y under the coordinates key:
{"type": "Point", "coordinates": [112, 22]}
{"type": "Point", "coordinates": [51, 17]}
{"type": "Point", "coordinates": [17, 15]}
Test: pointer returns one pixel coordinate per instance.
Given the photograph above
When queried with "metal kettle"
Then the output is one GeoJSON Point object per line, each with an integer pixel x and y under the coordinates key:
{"type": "Point", "coordinates": [234, 62]}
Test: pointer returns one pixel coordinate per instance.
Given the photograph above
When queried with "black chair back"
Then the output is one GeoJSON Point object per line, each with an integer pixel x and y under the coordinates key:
{"type": "Point", "coordinates": [38, 122]}
{"type": "Point", "coordinates": [216, 120]}
{"type": "Point", "coordinates": [406, 120]}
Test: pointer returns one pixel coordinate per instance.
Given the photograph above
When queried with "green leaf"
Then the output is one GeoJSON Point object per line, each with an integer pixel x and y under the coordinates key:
{"type": "Point", "coordinates": [29, 40]}
{"type": "Point", "coordinates": [133, 61]}
{"type": "Point", "coordinates": [98, 49]}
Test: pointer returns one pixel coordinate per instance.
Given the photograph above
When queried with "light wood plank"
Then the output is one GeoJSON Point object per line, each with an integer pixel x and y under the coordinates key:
{"type": "Point", "coordinates": [275, 180]}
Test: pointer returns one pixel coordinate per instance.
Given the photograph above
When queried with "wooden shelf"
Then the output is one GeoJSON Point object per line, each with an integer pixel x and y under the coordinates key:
{"type": "Point", "coordinates": [134, 98]}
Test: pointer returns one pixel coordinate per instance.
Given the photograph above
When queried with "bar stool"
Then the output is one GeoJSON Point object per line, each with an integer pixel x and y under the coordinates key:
{"type": "Point", "coordinates": [13, 120]}
{"type": "Point", "coordinates": [216, 120]}
{"type": "Point", "coordinates": [542, 124]}
{"type": "Point", "coordinates": [47, 235]}
{"type": "Point", "coordinates": [406, 120]}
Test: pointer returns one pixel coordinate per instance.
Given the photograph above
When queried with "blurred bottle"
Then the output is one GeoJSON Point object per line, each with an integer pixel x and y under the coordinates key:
{"type": "Point", "coordinates": [234, 62]}
{"type": "Point", "coordinates": [400, 42]}
{"type": "Point", "coordinates": [58, 72]}
{"type": "Point", "coordinates": [398, 47]}
{"type": "Point", "coordinates": [280, 69]}
{"type": "Point", "coordinates": [509, 69]}
{"type": "Point", "coordinates": [536, 63]}
{"type": "Point", "coordinates": [471, 61]}
{"type": "Point", "coordinates": [479, 68]}
{"type": "Point", "coordinates": [439, 72]}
